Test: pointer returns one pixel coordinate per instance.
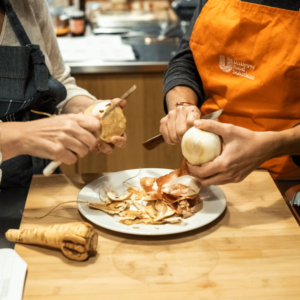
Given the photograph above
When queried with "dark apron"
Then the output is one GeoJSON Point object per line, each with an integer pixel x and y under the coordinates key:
{"type": "Point", "coordinates": [25, 84]}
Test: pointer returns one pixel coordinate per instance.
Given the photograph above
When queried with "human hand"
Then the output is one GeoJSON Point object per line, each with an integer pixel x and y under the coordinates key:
{"type": "Point", "coordinates": [177, 122]}
{"type": "Point", "coordinates": [62, 138]}
{"type": "Point", "coordinates": [243, 151]}
{"type": "Point", "coordinates": [122, 104]}
{"type": "Point", "coordinates": [118, 141]}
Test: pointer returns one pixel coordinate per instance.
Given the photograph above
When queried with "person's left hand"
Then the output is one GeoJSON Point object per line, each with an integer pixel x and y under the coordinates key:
{"type": "Point", "coordinates": [116, 141]}
{"type": "Point", "coordinates": [243, 151]}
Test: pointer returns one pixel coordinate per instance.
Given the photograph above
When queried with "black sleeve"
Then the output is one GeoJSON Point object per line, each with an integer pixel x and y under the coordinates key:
{"type": "Point", "coordinates": [2, 7]}
{"type": "Point", "coordinates": [182, 70]}
{"type": "Point", "coordinates": [296, 158]}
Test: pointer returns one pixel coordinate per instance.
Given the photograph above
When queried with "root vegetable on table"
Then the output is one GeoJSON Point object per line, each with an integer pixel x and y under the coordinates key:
{"type": "Point", "coordinates": [77, 240]}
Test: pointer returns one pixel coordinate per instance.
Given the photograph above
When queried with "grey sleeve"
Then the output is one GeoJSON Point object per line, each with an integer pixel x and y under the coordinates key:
{"type": "Point", "coordinates": [182, 70]}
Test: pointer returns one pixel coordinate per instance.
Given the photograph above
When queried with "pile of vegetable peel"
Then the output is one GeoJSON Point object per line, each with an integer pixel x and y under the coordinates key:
{"type": "Point", "coordinates": [175, 197]}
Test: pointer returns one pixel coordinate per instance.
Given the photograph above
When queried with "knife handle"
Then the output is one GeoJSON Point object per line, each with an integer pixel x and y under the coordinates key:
{"type": "Point", "coordinates": [154, 142]}
{"type": "Point", "coordinates": [51, 168]}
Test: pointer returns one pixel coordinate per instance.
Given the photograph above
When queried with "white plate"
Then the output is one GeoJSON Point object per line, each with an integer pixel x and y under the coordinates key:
{"type": "Point", "coordinates": [214, 203]}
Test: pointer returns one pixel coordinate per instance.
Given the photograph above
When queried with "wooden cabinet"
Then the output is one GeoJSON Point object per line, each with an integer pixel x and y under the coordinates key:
{"type": "Point", "coordinates": [143, 112]}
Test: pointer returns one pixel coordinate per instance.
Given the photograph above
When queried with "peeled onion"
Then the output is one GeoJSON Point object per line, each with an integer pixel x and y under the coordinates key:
{"type": "Point", "coordinates": [200, 147]}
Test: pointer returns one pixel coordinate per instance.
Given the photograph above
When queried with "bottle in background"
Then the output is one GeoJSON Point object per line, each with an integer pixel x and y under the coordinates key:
{"type": "Point", "coordinates": [77, 18]}
{"type": "Point", "coordinates": [60, 20]}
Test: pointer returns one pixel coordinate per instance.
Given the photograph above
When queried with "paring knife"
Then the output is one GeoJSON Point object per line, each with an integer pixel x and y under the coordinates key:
{"type": "Point", "coordinates": [55, 164]}
{"type": "Point", "coordinates": [157, 140]}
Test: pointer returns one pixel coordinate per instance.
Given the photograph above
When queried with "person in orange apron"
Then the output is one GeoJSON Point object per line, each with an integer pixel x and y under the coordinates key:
{"type": "Point", "coordinates": [243, 57]}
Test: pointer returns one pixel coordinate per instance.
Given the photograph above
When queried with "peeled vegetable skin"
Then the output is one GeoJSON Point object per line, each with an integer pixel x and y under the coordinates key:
{"type": "Point", "coordinates": [76, 240]}
{"type": "Point", "coordinates": [114, 124]}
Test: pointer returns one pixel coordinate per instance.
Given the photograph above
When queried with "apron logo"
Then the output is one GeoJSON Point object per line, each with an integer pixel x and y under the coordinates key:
{"type": "Point", "coordinates": [238, 68]}
{"type": "Point", "coordinates": [223, 66]}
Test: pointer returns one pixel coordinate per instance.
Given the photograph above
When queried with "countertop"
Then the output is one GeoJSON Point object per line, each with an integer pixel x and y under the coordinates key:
{"type": "Point", "coordinates": [250, 252]}
{"type": "Point", "coordinates": [152, 55]}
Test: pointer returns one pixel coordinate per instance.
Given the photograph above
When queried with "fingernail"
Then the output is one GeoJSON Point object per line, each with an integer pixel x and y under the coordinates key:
{"type": "Point", "coordinates": [198, 123]}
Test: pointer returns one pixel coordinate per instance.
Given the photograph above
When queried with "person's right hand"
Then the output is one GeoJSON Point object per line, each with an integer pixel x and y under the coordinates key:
{"type": "Point", "coordinates": [174, 125]}
{"type": "Point", "coordinates": [62, 138]}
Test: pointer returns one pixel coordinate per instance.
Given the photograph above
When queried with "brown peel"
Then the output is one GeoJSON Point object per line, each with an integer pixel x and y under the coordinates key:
{"type": "Point", "coordinates": [147, 183]}
{"type": "Point", "coordinates": [151, 211]}
{"type": "Point", "coordinates": [139, 194]}
{"type": "Point", "coordinates": [112, 209]}
{"type": "Point", "coordinates": [132, 215]}
{"type": "Point", "coordinates": [123, 197]}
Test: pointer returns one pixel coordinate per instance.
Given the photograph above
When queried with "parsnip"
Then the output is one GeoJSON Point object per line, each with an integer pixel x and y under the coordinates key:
{"type": "Point", "coordinates": [77, 241]}
{"type": "Point", "coordinates": [114, 124]}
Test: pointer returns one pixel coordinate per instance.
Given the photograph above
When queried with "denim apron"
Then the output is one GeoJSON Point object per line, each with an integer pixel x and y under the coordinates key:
{"type": "Point", "coordinates": [25, 84]}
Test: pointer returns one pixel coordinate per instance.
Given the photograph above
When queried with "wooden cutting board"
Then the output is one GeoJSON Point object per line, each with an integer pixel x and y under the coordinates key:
{"type": "Point", "coordinates": [251, 252]}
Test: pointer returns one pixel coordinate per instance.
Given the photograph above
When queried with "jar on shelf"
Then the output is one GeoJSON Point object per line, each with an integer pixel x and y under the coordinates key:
{"type": "Point", "coordinates": [119, 5]}
{"type": "Point", "coordinates": [77, 23]}
{"type": "Point", "coordinates": [60, 21]}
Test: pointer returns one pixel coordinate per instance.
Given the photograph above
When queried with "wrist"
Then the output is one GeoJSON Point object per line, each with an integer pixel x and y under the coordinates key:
{"type": "Point", "coordinates": [78, 104]}
{"type": "Point", "coordinates": [181, 94]}
{"type": "Point", "coordinates": [277, 143]}
{"type": "Point", "coordinates": [12, 140]}
{"type": "Point", "coordinates": [288, 142]}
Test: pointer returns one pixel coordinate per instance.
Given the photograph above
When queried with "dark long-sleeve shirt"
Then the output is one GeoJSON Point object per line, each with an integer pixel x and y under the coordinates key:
{"type": "Point", "coordinates": [182, 70]}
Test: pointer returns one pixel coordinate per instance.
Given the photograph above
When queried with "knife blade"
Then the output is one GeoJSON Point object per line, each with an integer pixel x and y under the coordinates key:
{"type": "Point", "coordinates": [55, 164]}
{"type": "Point", "coordinates": [157, 140]}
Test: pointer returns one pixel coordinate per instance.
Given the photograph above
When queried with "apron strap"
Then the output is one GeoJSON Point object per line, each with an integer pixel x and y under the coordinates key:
{"type": "Point", "coordinates": [40, 69]}
{"type": "Point", "coordinates": [16, 24]}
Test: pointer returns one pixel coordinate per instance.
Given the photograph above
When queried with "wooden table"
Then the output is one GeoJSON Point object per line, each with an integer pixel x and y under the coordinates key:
{"type": "Point", "coordinates": [251, 252]}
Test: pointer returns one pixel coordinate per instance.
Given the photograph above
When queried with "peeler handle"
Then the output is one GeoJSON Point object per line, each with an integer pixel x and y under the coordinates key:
{"type": "Point", "coordinates": [51, 167]}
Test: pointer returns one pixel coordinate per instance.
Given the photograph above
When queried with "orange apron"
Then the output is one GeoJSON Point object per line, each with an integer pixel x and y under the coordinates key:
{"type": "Point", "coordinates": [248, 57]}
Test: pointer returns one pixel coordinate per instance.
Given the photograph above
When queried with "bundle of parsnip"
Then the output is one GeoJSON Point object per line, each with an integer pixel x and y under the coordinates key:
{"type": "Point", "coordinates": [176, 198]}
{"type": "Point", "coordinates": [77, 241]}
{"type": "Point", "coordinates": [114, 124]}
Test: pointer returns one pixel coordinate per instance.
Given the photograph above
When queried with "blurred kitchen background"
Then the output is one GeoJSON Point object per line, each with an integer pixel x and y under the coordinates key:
{"type": "Point", "coordinates": [111, 45]}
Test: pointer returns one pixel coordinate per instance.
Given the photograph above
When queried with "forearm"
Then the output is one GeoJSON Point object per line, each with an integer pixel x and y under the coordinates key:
{"type": "Point", "coordinates": [180, 94]}
{"type": "Point", "coordinates": [286, 142]}
{"type": "Point", "coordinates": [77, 104]}
{"type": "Point", "coordinates": [11, 141]}
{"type": "Point", "coordinates": [182, 70]}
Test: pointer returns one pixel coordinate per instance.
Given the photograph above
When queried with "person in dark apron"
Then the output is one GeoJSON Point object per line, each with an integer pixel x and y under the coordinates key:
{"type": "Point", "coordinates": [26, 84]}
{"type": "Point", "coordinates": [242, 57]}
